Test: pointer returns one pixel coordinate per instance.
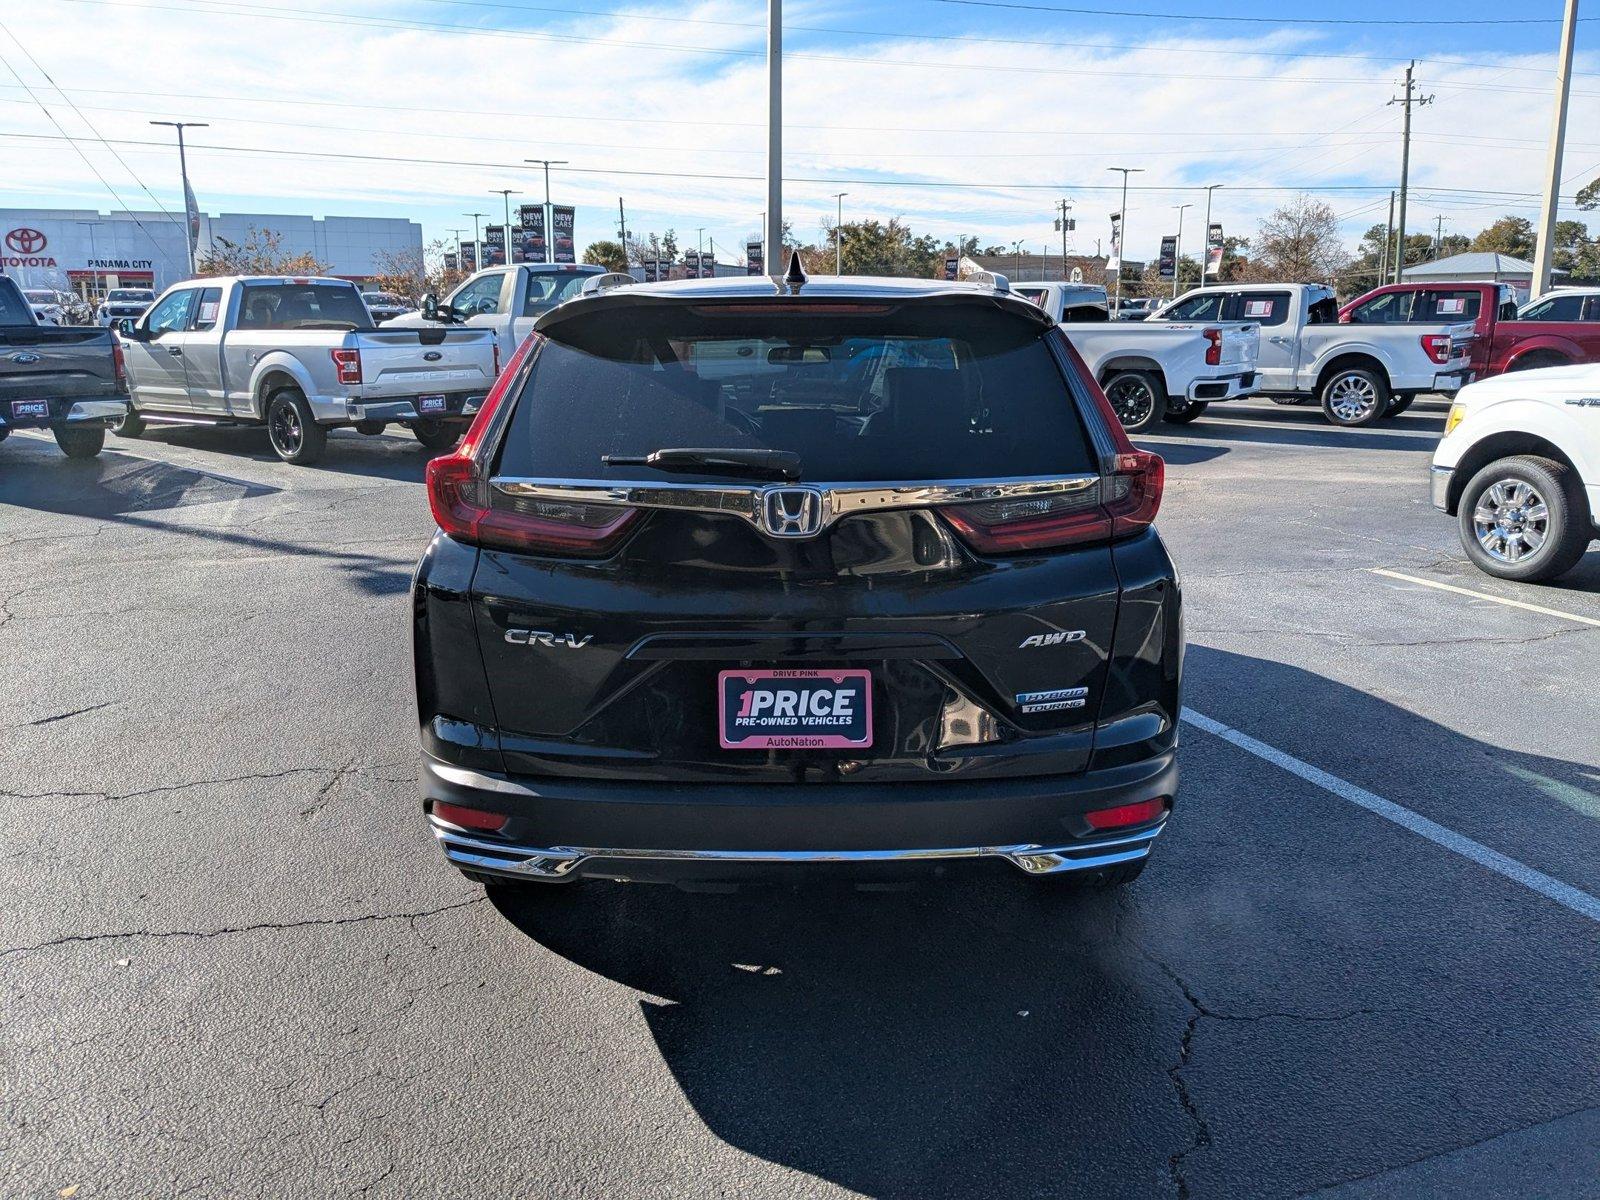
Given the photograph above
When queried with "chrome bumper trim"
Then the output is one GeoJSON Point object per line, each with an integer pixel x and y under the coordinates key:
{"type": "Point", "coordinates": [96, 410]}
{"type": "Point", "coordinates": [561, 862]}
{"type": "Point", "coordinates": [1439, 486]}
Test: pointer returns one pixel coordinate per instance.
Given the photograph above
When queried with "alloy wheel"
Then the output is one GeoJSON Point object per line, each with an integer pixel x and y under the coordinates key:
{"type": "Point", "coordinates": [1352, 397]}
{"type": "Point", "coordinates": [1132, 399]}
{"type": "Point", "coordinates": [284, 428]}
{"type": "Point", "coordinates": [1511, 520]}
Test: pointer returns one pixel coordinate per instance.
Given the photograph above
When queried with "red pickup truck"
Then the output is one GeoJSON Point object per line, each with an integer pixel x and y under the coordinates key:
{"type": "Point", "coordinates": [1558, 329]}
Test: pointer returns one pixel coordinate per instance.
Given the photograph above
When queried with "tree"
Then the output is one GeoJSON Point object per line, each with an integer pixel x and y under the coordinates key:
{"type": "Point", "coordinates": [1571, 245]}
{"type": "Point", "coordinates": [875, 248]}
{"type": "Point", "coordinates": [606, 254]}
{"type": "Point", "coordinates": [413, 275]}
{"type": "Point", "coordinates": [261, 253]}
{"type": "Point", "coordinates": [1509, 235]}
{"type": "Point", "coordinates": [1589, 195]}
{"type": "Point", "coordinates": [1299, 243]}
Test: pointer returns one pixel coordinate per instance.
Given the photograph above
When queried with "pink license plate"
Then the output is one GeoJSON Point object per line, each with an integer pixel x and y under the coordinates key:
{"type": "Point", "coordinates": [795, 710]}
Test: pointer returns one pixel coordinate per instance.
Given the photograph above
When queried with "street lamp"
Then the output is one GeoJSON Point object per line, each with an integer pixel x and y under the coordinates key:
{"type": "Point", "coordinates": [549, 216]}
{"type": "Point", "coordinates": [1177, 248]}
{"type": "Point", "coordinates": [506, 194]}
{"type": "Point", "coordinates": [1206, 261]}
{"type": "Point", "coordinates": [838, 235]}
{"type": "Point", "coordinates": [190, 217]}
{"type": "Point", "coordinates": [1122, 231]}
{"type": "Point", "coordinates": [477, 242]}
{"type": "Point", "coordinates": [774, 213]}
{"type": "Point", "coordinates": [1016, 248]}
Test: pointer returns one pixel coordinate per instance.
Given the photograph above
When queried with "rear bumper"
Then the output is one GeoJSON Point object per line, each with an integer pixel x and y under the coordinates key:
{"type": "Point", "coordinates": [458, 406]}
{"type": "Point", "coordinates": [69, 412]}
{"type": "Point", "coordinates": [1226, 387]}
{"type": "Point", "coordinates": [1450, 382]}
{"type": "Point", "coordinates": [559, 829]}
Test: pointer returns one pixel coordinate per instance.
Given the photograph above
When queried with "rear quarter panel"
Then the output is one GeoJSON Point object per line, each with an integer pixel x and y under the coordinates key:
{"type": "Point", "coordinates": [1574, 341]}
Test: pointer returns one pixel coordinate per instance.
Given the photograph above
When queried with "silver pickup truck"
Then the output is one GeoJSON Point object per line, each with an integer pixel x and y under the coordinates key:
{"type": "Point", "coordinates": [299, 356]}
{"type": "Point", "coordinates": [63, 378]}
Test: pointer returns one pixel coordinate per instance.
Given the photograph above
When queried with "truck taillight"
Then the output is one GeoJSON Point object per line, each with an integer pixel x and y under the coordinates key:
{"type": "Point", "coordinates": [496, 374]}
{"type": "Point", "coordinates": [1121, 504]}
{"type": "Point", "coordinates": [1213, 346]}
{"type": "Point", "coordinates": [119, 365]}
{"type": "Point", "coordinates": [348, 364]}
{"type": "Point", "coordinates": [1437, 346]}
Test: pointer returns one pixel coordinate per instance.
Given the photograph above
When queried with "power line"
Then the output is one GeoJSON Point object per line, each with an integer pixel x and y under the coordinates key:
{"type": "Point", "coordinates": [1209, 17]}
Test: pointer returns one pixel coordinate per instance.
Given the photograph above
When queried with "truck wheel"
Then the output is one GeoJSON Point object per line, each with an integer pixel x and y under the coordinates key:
{"type": "Point", "coordinates": [1354, 396]}
{"type": "Point", "coordinates": [5, 432]}
{"type": "Point", "coordinates": [294, 434]}
{"type": "Point", "coordinates": [1525, 518]}
{"type": "Point", "coordinates": [1398, 405]}
{"type": "Point", "coordinates": [130, 424]}
{"type": "Point", "coordinates": [437, 435]}
{"type": "Point", "coordinates": [80, 441]}
{"type": "Point", "coordinates": [1137, 397]}
{"type": "Point", "coordinates": [1189, 412]}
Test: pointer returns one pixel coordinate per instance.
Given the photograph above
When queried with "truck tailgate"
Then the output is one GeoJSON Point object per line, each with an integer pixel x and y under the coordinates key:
{"type": "Point", "coordinates": [48, 362]}
{"type": "Point", "coordinates": [1241, 343]}
{"type": "Point", "coordinates": [412, 362]}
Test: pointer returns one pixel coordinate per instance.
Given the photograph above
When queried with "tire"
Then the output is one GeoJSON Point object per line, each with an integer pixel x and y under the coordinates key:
{"type": "Point", "coordinates": [1137, 397]}
{"type": "Point", "coordinates": [1354, 396]}
{"type": "Point", "coordinates": [80, 441]}
{"type": "Point", "coordinates": [5, 433]}
{"type": "Point", "coordinates": [1398, 405]}
{"type": "Point", "coordinates": [1189, 413]}
{"type": "Point", "coordinates": [1502, 531]}
{"type": "Point", "coordinates": [1104, 879]}
{"type": "Point", "coordinates": [437, 435]}
{"type": "Point", "coordinates": [131, 424]}
{"type": "Point", "coordinates": [295, 435]}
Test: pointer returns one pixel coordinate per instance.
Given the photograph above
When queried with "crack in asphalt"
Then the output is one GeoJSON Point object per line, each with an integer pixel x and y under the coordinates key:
{"type": "Point", "coordinates": [266, 926]}
{"type": "Point", "coordinates": [77, 712]}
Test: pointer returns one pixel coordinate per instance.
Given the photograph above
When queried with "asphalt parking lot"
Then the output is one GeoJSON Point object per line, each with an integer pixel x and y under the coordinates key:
{"type": "Point", "coordinates": [1363, 960]}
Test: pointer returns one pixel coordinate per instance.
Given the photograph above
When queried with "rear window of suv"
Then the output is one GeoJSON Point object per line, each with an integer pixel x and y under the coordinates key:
{"type": "Point", "coordinates": [898, 395]}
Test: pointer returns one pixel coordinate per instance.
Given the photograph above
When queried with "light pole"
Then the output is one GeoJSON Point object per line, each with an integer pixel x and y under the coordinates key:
{"type": "Point", "coordinates": [549, 216]}
{"type": "Point", "coordinates": [1177, 249]}
{"type": "Point", "coordinates": [1016, 249]}
{"type": "Point", "coordinates": [699, 248]}
{"type": "Point", "coordinates": [838, 234]}
{"type": "Point", "coordinates": [1206, 262]}
{"type": "Point", "coordinates": [190, 216]}
{"type": "Point", "coordinates": [774, 219]}
{"type": "Point", "coordinates": [93, 256]}
{"type": "Point", "coordinates": [1544, 248]}
{"type": "Point", "coordinates": [505, 230]}
{"type": "Point", "coordinates": [477, 242]}
{"type": "Point", "coordinates": [1122, 230]}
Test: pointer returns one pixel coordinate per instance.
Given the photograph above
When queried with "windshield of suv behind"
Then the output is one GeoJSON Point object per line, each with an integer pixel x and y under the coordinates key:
{"type": "Point", "coordinates": [893, 395]}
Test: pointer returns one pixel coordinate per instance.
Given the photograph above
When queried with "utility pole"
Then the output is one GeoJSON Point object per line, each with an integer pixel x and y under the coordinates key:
{"type": "Point", "coordinates": [1122, 230]}
{"type": "Point", "coordinates": [1064, 207]}
{"type": "Point", "coordinates": [774, 217]}
{"type": "Point", "coordinates": [1016, 247]}
{"type": "Point", "coordinates": [192, 215]}
{"type": "Point", "coordinates": [477, 240]}
{"type": "Point", "coordinates": [1544, 251]}
{"type": "Point", "coordinates": [505, 230]}
{"type": "Point", "coordinates": [1388, 240]}
{"type": "Point", "coordinates": [1177, 249]}
{"type": "Point", "coordinates": [1438, 237]}
{"type": "Point", "coordinates": [1205, 261]}
{"type": "Point", "coordinates": [1411, 100]}
{"type": "Point", "coordinates": [549, 217]}
{"type": "Point", "coordinates": [838, 234]}
{"type": "Point", "coordinates": [622, 232]}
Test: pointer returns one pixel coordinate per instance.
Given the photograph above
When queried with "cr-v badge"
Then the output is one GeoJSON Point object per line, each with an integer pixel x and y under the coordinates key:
{"type": "Point", "coordinates": [538, 637]}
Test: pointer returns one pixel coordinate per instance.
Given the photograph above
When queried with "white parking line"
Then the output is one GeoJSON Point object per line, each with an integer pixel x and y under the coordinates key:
{"type": "Point", "coordinates": [1450, 587]}
{"type": "Point", "coordinates": [1564, 894]}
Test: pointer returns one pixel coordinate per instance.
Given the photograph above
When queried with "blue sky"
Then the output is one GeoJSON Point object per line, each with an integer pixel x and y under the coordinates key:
{"type": "Point", "coordinates": [961, 117]}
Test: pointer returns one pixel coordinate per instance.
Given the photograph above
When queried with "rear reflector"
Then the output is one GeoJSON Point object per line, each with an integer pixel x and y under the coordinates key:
{"type": "Point", "coordinates": [469, 818]}
{"type": "Point", "coordinates": [1123, 503]}
{"type": "Point", "coordinates": [1125, 815]}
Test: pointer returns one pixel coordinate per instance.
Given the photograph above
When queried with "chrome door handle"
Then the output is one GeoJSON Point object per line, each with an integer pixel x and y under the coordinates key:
{"type": "Point", "coordinates": [175, 351]}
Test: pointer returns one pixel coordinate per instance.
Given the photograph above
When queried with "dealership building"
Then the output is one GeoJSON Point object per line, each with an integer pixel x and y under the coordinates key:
{"type": "Point", "coordinates": [88, 252]}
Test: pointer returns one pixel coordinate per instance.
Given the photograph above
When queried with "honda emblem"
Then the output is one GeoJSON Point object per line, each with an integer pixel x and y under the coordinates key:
{"type": "Point", "coordinates": [791, 512]}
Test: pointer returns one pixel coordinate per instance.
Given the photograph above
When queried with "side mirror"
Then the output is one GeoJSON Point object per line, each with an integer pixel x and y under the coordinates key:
{"type": "Point", "coordinates": [128, 327]}
{"type": "Point", "coordinates": [430, 306]}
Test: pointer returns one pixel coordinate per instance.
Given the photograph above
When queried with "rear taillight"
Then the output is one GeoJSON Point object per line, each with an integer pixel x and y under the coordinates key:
{"type": "Point", "coordinates": [1122, 503]}
{"type": "Point", "coordinates": [1213, 346]}
{"type": "Point", "coordinates": [119, 365]}
{"type": "Point", "coordinates": [1436, 346]}
{"type": "Point", "coordinates": [348, 364]}
{"type": "Point", "coordinates": [469, 818]}
{"type": "Point", "coordinates": [496, 345]}
{"type": "Point", "coordinates": [462, 506]}
{"type": "Point", "coordinates": [1123, 816]}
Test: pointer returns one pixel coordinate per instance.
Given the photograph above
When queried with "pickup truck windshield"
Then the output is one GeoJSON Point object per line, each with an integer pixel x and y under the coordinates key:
{"type": "Point", "coordinates": [129, 297]}
{"type": "Point", "coordinates": [302, 306]}
{"type": "Point", "coordinates": [951, 393]}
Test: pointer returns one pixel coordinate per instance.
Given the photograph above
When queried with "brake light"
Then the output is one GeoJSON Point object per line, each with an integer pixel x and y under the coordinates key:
{"type": "Point", "coordinates": [119, 365]}
{"type": "Point", "coordinates": [1120, 504]}
{"type": "Point", "coordinates": [1123, 816]}
{"type": "Point", "coordinates": [1214, 346]}
{"type": "Point", "coordinates": [496, 346]}
{"type": "Point", "coordinates": [348, 364]}
{"type": "Point", "coordinates": [1436, 346]}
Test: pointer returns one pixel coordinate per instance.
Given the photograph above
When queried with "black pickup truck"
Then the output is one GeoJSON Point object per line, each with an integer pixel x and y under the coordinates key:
{"type": "Point", "coordinates": [64, 378]}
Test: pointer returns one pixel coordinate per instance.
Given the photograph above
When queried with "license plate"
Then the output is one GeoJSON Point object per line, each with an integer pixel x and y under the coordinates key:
{"type": "Point", "coordinates": [431, 404]}
{"type": "Point", "coordinates": [30, 408]}
{"type": "Point", "coordinates": [795, 710]}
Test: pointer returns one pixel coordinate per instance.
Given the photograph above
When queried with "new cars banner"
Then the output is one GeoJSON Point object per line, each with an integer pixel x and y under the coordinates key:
{"type": "Point", "coordinates": [753, 259]}
{"type": "Point", "coordinates": [469, 256]}
{"type": "Point", "coordinates": [530, 246]}
{"type": "Point", "coordinates": [1214, 246]}
{"type": "Point", "coordinates": [1169, 257]}
{"type": "Point", "coordinates": [1114, 259]}
{"type": "Point", "coordinates": [562, 221]}
{"type": "Point", "coordinates": [494, 246]}
{"type": "Point", "coordinates": [952, 264]}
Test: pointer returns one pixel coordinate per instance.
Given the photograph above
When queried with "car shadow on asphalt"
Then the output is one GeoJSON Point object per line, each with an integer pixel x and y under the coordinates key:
{"type": "Point", "coordinates": [393, 455]}
{"type": "Point", "coordinates": [989, 1033]}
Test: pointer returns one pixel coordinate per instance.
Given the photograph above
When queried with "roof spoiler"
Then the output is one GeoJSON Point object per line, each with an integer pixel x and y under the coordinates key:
{"type": "Point", "coordinates": [970, 272]}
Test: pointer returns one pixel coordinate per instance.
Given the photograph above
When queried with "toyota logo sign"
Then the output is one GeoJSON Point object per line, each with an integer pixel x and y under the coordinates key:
{"type": "Point", "coordinates": [26, 241]}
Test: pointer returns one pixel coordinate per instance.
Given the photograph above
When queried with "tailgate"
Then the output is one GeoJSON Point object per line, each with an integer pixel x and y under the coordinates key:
{"type": "Point", "coordinates": [411, 362]}
{"type": "Point", "coordinates": [1240, 345]}
{"type": "Point", "coordinates": [66, 362]}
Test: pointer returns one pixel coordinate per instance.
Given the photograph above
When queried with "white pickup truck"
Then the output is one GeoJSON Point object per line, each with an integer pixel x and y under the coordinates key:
{"type": "Point", "coordinates": [1151, 372]}
{"type": "Point", "coordinates": [1519, 468]}
{"type": "Point", "coordinates": [1358, 373]}
{"type": "Point", "coordinates": [507, 300]}
{"type": "Point", "coordinates": [299, 356]}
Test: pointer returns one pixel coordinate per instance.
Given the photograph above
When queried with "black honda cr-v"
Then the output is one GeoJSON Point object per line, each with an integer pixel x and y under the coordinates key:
{"type": "Point", "coordinates": [739, 573]}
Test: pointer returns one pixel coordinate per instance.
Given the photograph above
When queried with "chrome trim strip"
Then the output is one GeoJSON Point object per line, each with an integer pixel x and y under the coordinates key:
{"type": "Point", "coordinates": [556, 862]}
{"type": "Point", "coordinates": [96, 410]}
{"type": "Point", "coordinates": [745, 500]}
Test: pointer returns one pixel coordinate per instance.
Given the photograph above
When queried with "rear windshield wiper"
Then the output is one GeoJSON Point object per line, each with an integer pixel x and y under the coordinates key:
{"type": "Point", "coordinates": [775, 464]}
